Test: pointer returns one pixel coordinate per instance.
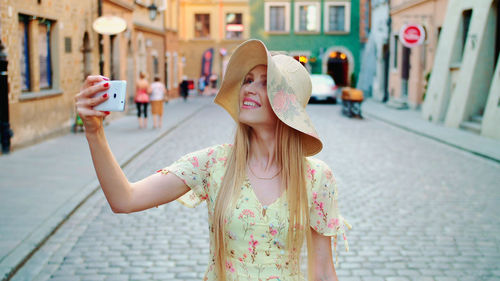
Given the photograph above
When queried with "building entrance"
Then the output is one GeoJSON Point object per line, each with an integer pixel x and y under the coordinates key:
{"type": "Point", "coordinates": [338, 68]}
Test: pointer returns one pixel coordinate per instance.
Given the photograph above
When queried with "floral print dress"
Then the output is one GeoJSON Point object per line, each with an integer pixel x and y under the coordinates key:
{"type": "Point", "coordinates": [256, 234]}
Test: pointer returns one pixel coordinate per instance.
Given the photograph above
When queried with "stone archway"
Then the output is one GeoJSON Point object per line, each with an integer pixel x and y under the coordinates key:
{"type": "Point", "coordinates": [344, 66]}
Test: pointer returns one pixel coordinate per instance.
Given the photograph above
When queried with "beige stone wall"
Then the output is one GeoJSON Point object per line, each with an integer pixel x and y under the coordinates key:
{"type": "Point", "coordinates": [46, 113]}
{"type": "Point", "coordinates": [430, 15]}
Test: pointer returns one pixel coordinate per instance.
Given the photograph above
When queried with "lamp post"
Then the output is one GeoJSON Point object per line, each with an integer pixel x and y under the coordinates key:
{"type": "Point", "coordinates": [5, 131]}
{"type": "Point", "coordinates": [153, 11]}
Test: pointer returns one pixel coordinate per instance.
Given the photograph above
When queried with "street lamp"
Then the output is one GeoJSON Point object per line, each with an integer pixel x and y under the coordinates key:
{"type": "Point", "coordinates": [153, 11]}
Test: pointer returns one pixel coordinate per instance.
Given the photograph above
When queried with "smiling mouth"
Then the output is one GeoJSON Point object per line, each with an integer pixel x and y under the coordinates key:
{"type": "Point", "coordinates": [248, 103]}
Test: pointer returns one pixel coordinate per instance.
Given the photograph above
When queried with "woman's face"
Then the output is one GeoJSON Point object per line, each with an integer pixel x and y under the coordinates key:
{"type": "Point", "coordinates": [255, 109]}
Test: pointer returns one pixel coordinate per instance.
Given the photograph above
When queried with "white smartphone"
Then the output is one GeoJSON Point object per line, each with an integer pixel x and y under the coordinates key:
{"type": "Point", "coordinates": [117, 93]}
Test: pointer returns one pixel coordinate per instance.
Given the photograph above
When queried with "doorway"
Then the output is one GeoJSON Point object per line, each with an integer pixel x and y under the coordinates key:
{"type": "Point", "coordinates": [338, 68]}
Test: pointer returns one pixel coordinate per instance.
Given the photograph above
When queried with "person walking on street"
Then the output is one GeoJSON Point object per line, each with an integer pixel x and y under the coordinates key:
{"type": "Point", "coordinates": [264, 192]}
{"type": "Point", "coordinates": [183, 86]}
{"type": "Point", "coordinates": [158, 92]}
{"type": "Point", "coordinates": [142, 92]}
{"type": "Point", "coordinates": [201, 85]}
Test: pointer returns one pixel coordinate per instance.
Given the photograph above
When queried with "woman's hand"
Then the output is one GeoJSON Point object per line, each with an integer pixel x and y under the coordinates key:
{"type": "Point", "coordinates": [85, 102]}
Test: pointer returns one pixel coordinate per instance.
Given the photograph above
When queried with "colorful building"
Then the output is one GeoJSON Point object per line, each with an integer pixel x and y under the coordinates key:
{"type": "Point", "coordinates": [208, 29]}
{"type": "Point", "coordinates": [326, 33]}
{"type": "Point", "coordinates": [373, 77]}
{"type": "Point", "coordinates": [409, 68]}
{"type": "Point", "coordinates": [464, 89]}
{"type": "Point", "coordinates": [52, 47]}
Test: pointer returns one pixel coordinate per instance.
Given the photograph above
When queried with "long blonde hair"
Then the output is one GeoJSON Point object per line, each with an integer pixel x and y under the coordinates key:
{"type": "Point", "coordinates": [291, 159]}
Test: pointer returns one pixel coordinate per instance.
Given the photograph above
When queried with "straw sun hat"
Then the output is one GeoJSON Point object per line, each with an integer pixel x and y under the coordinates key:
{"type": "Point", "coordinates": [288, 89]}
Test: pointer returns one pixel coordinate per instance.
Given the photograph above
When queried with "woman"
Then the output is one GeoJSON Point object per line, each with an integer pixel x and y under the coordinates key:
{"type": "Point", "coordinates": [264, 197]}
{"type": "Point", "coordinates": [158, 92]}
{"type": "Point", "coordinates": [142, 92]}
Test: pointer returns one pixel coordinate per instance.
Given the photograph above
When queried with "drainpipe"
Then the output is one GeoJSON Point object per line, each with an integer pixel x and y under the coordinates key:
{"type": "Point", "coordinates": [389, 37]}
{"type": "Point", "coordinates": [5, 131]}
{"type": "Point", "coordinates": [101, 58]}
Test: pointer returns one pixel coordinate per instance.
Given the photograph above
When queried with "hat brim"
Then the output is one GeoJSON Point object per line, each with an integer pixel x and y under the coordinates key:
{"type": "Point", "coordinates": [281, 97]}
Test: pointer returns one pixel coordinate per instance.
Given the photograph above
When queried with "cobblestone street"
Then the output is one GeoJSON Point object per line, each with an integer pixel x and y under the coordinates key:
{"type": "Point", "coordinates": [420, 210]}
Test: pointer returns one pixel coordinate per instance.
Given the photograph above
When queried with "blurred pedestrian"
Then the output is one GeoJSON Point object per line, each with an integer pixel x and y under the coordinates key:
{"type": "Point", "coordinates": [201, 85]}
{"type": "Point", "coordinates": [264, 193]}
{"type": "Point", "coordinates": [158, 92]}
{"type": "Point", "coordinates": [142, 92]}
{"type": "Point", "coordinates": [184, 87]}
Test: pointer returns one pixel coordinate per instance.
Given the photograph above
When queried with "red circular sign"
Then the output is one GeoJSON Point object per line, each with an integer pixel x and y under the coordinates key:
{"type": "Point", "coordinates": [412, 35]}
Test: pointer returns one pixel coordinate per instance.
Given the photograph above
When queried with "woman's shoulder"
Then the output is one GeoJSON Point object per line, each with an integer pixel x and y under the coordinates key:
{"type": "Point", "coordinates": [218, 151]}
{"type": "Point", "coordinates": [317, 164]}
{"type": "Point", "coordinates": [318, 171]}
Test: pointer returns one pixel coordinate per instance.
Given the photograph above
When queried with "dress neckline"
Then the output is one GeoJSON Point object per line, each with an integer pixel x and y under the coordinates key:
{"type": "Point", "coordinates": [262, 206]}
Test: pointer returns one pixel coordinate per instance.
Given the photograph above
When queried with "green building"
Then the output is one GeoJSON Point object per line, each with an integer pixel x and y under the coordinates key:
{"type": "Point", "coordinates": [323, 34]}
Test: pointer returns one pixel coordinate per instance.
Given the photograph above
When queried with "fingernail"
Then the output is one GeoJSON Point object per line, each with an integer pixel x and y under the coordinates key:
{"type": "Point", "coordinates": [106, 112]}
{"type": "Point", "coordinates": [106, 85]}
{"type": "Point", "coordinates": [105, 95]}
{"type": "Point", "coordinates": [105, 78]}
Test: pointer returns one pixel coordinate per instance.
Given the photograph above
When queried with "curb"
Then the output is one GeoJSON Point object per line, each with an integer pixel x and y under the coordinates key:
{"type": "Point", "coordinates": [21, 254]}
{"type": "Point", "coordinates": [430, 136]}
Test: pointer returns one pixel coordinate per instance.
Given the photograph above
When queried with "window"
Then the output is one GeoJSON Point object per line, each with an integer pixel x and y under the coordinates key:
{"type": "Point", "coordinates": [234, 26]}
{"type": "Point", "coordinates": [277, 17]}
{"type": "Point", "coordinates": [202, 25]}
{"type": "Point", "coordinates": [156, 66]}
{"type": "Point", "coordinates": [307, 17]}
{"type": "Point", "coordinates": [395, 52]}
{"type": "Point", "coordinates": [466, 17]}
{"type": "Point", "coordinates": [337, 17]}
{"type": "Point", "coordinates": [44, 55]}
{"type": "Point", "coordinates": [25, 56]}
{"type": "Point", "coordinates": [35, 36]}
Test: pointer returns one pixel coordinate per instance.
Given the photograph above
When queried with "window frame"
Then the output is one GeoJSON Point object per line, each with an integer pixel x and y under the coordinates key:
{"type": "Point", "coordinates": [226, 23]}
{"type": "Point", "coordinates": [297, 6]}
{"type": "Point", "coordinates": [347, 17]}
{"type": "Point", "coordinates": [209, 35]}
{"type": "Point", "coordinates": [48, 42]}
{"type": "Point", "coordinates": [267, 9]}
{"type": "Point", "coordinates": [25, 51]}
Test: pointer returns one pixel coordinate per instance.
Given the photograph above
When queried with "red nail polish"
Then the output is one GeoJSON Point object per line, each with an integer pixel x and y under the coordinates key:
{"type": "Point", "coordinates": [106, 85]}
{"type": "Point", "coordinates": [106, 112]}
{"type": "Point", "coordinates": [105, 95]}
{"type": "Point", "coordinates": [105, 78]}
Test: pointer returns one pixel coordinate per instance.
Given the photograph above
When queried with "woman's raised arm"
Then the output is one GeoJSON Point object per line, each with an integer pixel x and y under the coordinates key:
{"type": "Point", "coordinates": [122, 196]}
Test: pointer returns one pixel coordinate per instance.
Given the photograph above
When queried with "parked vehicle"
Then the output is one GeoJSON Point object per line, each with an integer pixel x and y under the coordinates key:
{"type": "Point", "coordinates": [323, 88]}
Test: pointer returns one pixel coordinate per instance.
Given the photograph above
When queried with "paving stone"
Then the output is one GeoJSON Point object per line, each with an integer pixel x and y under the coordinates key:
{"type": "Point", "coordinates": [407, 197]}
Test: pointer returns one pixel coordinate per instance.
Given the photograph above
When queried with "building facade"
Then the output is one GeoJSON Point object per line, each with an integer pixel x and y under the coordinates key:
{"type": "Point", "coordinates": [373, 77]}
{"type": "Point", "coordinates": [325, 33]}
{"type": "Point", "coordinates": [50, 47]}
{"type": "Point", "coordinates": [208, 30]}
{"type": "Point", "coordinates": [464, 89]}
{"type": "Point", "coordinates": [410, 68]}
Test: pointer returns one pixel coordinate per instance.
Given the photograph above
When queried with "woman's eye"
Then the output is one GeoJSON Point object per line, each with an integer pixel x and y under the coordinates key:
{"type": "Point", "coordinates": [248, 80]}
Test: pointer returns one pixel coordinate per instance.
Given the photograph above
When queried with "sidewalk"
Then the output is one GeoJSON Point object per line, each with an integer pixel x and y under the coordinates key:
{"type": "Point", "coordinates": [411, 120]}
{"type": "Point", "coordinates": [43, 184]}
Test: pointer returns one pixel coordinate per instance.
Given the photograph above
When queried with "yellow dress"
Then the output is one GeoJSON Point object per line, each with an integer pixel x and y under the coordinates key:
{"type": "Point", "coordinates": [256, 239]}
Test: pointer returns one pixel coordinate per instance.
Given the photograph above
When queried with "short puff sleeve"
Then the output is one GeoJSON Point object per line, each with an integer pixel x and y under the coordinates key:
{"type": "Point", "coordinates": [324, 213]}
{"type": "Point", "coordinates": [194, 169]}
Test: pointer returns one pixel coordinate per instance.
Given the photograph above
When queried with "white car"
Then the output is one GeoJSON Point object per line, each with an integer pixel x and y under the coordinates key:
{"type": "Point", "coordinates": [323, 88]}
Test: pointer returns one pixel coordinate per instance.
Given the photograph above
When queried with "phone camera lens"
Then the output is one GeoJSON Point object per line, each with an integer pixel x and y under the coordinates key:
{"type": "Point", "coordinates": [114, 95]}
